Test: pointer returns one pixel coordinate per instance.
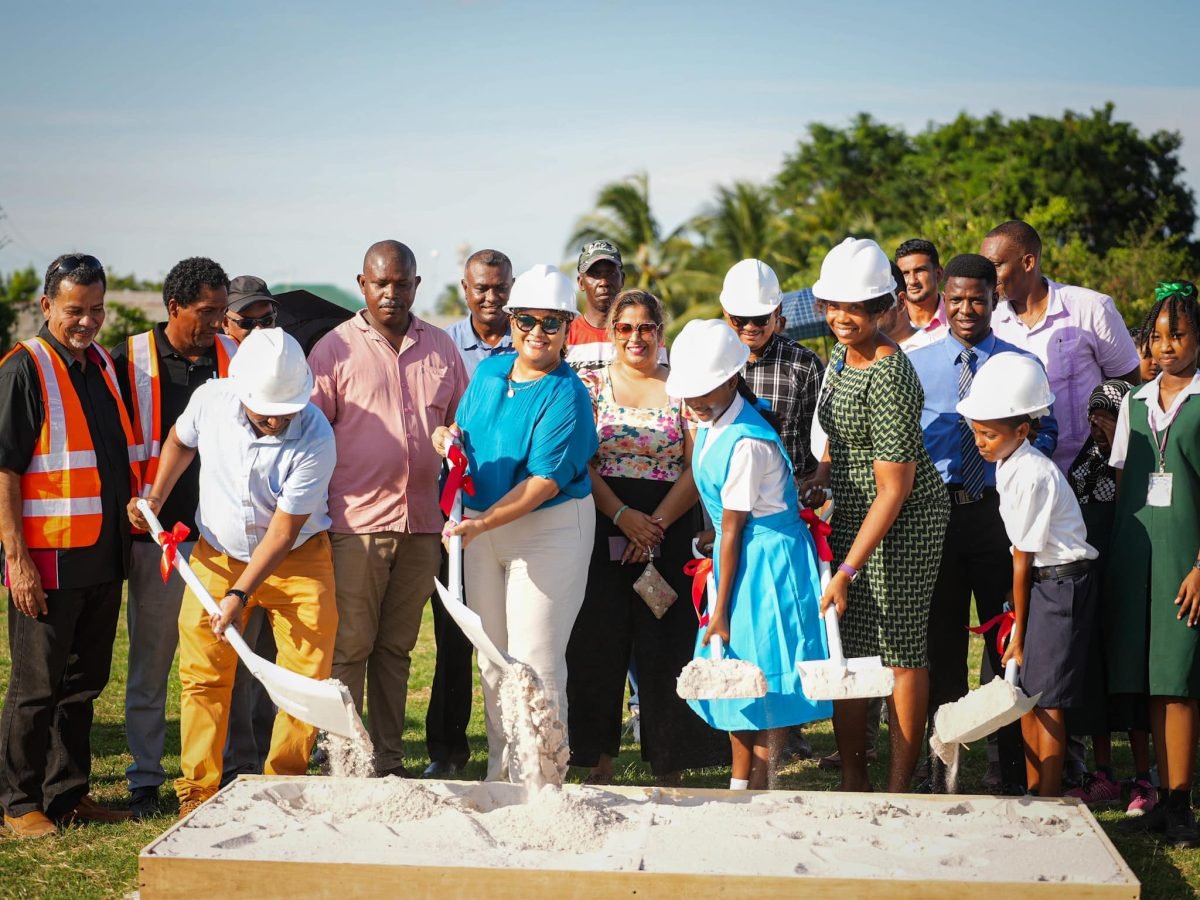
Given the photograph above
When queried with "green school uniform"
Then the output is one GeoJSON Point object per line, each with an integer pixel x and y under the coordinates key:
{"type": "Point", "coordinates": [1148, 649]}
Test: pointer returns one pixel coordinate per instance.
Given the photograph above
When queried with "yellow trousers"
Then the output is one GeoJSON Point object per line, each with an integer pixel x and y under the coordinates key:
{"type": "Point", "coordinates": [301, 609]}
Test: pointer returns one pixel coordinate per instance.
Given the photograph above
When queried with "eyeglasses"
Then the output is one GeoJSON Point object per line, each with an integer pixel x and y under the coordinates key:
{"type": "Point", "coordinates": [69, 264]}
{"type": "Point", "coordinates": [756, 321]}
{"type": "Point", "coordinates": [550, 324]}
{"type": "Point", "coordinates": [251, 322]}
{"type": "Point", "coordinates": [644, 329]}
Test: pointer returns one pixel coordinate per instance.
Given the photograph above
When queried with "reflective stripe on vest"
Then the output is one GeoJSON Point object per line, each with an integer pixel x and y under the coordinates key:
{"type": "Point", "coordinates": [144, 384]}
{"type": "Point", "coordinates": [60, 489]}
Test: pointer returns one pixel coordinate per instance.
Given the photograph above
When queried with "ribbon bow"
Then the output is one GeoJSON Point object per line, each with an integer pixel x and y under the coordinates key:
{"type": "Point", "coordinates": [1167, 289]}
{"type": "Point", "coordinates": [170, 541]}
{"type": "Point", "coordinates": [458, 477]}
{"type": "Point", "coordinates": [699, 569]}
{"type": "Point", "coordinates": [820, 531]}
{"type": "Point", "coordinates": [1006, 621]}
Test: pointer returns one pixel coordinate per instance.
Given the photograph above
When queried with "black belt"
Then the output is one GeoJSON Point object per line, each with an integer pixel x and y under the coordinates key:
{"type": "Point", "coordinates": [960, 497]}
{"type": "Point", "coordinates": [1066, 570]}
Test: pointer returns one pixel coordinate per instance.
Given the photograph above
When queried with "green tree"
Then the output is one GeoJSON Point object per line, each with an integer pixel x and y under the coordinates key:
{"type": "Point", "coordinates": [743, 223]}
{"type": "Point", "coordinates": [450, 302]}
{"type": "Point", "coordinates": [120, 322]}
{"type": "Point", "coordinates": [18, 290]}
{"type": "Point", "coordinates": [131, 283]}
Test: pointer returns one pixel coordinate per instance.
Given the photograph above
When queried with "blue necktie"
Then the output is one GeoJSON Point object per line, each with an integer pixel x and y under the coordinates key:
{"type": "Point", "coordinates": [972, 462]}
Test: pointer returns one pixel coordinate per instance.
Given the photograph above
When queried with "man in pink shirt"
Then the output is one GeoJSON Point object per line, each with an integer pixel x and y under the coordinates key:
{"type": "Point", "coordinates": [918, 262]}
{"type": "Point", "coordinates": [1077, 333]}
{"type": "Point", "coordinates": [385, 380]}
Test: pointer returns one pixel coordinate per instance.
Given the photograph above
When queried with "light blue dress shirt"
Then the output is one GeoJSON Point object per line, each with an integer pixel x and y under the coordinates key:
{"type": "Point", "coordinates": [937, 367]}
{"type": "Point", "coordinates": [472, 348]}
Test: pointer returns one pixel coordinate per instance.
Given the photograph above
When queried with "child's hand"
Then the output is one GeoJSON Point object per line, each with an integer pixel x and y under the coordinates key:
{"type": "Point", "coordinates": [705, 540]}
{"type": "Point", "coordinates": [717, 626]}
{"type": "Point", "coordinates": [1188, 600]}
{"type": "Point", "coordinates": [837, 593]}
{"type": "Point", "coordinates": [1015, 650]}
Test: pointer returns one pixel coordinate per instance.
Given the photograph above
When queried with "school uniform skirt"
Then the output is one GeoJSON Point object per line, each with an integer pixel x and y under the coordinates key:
{"type": "Point", "coordinates": [1058, 636]}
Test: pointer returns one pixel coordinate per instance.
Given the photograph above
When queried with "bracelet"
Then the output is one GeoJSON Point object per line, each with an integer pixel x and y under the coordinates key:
{"type": "Point", "coordinates": [241, 595]}
{"type": "Point", "coordinates": [617, 514]}
{"type": "Point", "coordinates": [848, 570]}
{"type": "Point", "coordinates": [1196, 564]}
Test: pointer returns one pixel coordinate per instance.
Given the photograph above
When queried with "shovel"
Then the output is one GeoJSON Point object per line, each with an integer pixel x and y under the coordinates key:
{"type": "Point", "coordinates": [838, 678]}
{"type": "Point", "coordinates": [326, 705]}
{"type": "Point", "coordinates": [981, 712]}
{"type": "Point", "coordinates": [718, 678]}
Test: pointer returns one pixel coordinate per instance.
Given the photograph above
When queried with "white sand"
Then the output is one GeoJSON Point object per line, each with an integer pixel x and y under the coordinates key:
{"type": "Point", "coordinates": [716, 679]}
{"type": "Point", "coordinates": [537, 740]}
{"type": "Point", "coordinates": [455, 824]}
{"type": "Point", "coordinates": [823, 680]}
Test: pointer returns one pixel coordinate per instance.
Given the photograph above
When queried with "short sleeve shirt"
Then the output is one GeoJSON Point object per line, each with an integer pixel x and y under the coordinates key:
{"type": "Point", "coordinates": [1039, 509]}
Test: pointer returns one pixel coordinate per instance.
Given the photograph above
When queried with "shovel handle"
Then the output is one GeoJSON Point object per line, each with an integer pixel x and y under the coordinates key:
{"type": "Point", "coordinates": [1010, 672]}
{"type": "Point", "coordinates": [833, 635]}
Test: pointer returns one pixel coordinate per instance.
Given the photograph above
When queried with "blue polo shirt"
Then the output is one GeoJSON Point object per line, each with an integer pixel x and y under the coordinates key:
{"type": "Point", "coordinates": [473, 348]}
{"type": "Point", "coordinates": [937, 367]}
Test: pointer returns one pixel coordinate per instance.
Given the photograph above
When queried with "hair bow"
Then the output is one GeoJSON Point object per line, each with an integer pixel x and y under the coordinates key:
{"type": "Point", "coordinates": [1165, 289]}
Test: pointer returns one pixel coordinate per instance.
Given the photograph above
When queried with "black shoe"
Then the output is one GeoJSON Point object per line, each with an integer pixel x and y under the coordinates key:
{"type": "Point", "coordinates": [797, 746]}
{"type": "Point", "coordinates": [441, 768]}
{"type": "Point", "coordinates": [1154, 821]}
{"type": "Point", "coordinates": [143, 802]}
{"type": "Point", "coordinates": [1014, 790]}
{"type": "Point", "coordinates": [1181, 828]}
{"type": "Point", "coordinates": [399, 772]}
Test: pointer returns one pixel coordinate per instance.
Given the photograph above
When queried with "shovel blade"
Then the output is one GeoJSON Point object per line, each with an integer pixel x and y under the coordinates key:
{"type": "Point", "coordinates": [327, 705]}
{"type": "Point", "coordinates": [472, 626]}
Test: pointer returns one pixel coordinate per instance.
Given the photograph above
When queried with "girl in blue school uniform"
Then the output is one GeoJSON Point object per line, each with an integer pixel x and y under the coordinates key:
{"type": "Point", "coordinates": [764, 560]}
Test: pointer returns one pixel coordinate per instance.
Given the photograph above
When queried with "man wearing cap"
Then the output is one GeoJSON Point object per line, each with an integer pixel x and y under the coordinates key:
{"type": "Point", "coordinates": [158, 371]}
{"type": "Point", "coordinates": [385, 380]}
{"type": "Point", "coordinates": [251, 305]}
{"type": "Point", "coordinates": [780, 371]}
{"type": "Point", "coordinates": [68, 464]}
{"type": "Point", "coordinates": [266, 455]}
{"type": "Point", "coordinates": [975, 557]}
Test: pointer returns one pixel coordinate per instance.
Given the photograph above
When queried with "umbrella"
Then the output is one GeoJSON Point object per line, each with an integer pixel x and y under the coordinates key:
{"type": "Point", "coordinates": [803, 322]}
{"type": "Point", "coordinates": [307, 317]}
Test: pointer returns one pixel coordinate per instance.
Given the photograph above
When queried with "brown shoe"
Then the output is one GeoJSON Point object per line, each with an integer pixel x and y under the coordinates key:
{"type": "Point", "coordinates": [88, 810]}
{"type": "Point", "coordinates": [187, 807]}
{"type": "Point", "coordinates": [31, 825]}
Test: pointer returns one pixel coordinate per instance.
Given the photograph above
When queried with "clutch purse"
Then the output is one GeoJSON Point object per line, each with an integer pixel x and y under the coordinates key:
{"type": "Point", "coordinates": [653, 588]}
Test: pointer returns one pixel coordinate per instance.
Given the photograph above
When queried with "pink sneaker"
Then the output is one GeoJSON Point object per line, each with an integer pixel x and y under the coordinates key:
{"type": "Point", "coordinates": [1143, 798]}
{"type": "Point", "coordinates": [1097, 790]}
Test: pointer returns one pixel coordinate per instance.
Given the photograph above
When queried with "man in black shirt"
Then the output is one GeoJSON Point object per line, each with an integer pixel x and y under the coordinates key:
{"type": "Point", "coordinates": [66, 476]}
{"type": "Point", "coordinates": [158, 370]}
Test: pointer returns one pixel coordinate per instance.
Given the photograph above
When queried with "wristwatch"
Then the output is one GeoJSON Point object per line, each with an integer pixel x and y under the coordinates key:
{"type": "Point", "coordinates": [241, 595]}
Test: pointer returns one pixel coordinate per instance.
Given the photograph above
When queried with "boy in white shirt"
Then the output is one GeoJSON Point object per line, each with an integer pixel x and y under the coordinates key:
{"type": "Point", "coordinates": [1053, 592]}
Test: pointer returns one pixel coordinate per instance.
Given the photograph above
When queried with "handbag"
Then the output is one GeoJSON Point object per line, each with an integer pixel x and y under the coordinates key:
{"type": "Point", "coordinates": [653, 588]}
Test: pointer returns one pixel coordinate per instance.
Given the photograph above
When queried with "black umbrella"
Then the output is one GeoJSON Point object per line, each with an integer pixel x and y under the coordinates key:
{"type": "Point", "coordinates": [307, 317]}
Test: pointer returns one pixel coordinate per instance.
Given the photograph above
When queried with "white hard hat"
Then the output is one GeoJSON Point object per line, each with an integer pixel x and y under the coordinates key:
{"type": "Point", "coordinates": [542, 287]}
{"type": "Point", "coordinates": [706, 353]}
{"type": "Point", "coordinates": [269, 373]}
{"type": "Point", "coordinates": [751, 289]}
{"type": "Point", "coordinates": [855, 270]}
{"type": "Point", "coordinates": [1008, 384]}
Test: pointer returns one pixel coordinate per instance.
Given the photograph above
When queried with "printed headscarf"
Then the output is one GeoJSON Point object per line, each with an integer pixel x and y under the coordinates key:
{"type": "Point", "coordinates": [1091, 477]}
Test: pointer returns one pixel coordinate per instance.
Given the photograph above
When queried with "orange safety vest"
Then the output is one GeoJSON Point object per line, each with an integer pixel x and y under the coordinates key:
{"type": "Point", "coordinates": [142, 350]}
{"type": "Point", "coordinates": [60, 488]}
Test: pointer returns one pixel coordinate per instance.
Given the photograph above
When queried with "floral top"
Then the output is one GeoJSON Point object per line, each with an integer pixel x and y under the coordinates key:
{"type": "Point", "coordinates": [635, 442]}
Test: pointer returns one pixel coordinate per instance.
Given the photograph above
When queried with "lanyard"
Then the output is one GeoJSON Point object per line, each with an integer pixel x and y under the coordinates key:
{"type": "Point", "coordinates": [1161, 445]}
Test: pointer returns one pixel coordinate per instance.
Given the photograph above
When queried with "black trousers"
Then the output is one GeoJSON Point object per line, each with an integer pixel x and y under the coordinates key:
{"type": "Point", "coordinates": [975, 561]}
{"type": "Point", "coordinates": [450, 695]}
{"type": "Point", "coordinates": [60, 664]}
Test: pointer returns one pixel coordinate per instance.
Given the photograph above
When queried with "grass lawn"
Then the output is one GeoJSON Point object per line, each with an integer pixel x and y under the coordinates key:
{"type": "Point", "coordinates": [101, 861]}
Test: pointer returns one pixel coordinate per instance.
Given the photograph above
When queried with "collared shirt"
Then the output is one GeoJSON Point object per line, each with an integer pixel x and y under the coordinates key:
{"type": "Point", "coordinates": [788, 377]}
{"type": "Point", "coordinates": [589, 347]}
{"type": "Point", "coordinates": [1081, 340]}
{"type": "Point", "coordinates": [475, 349]}
{"type": "Point", "coordinates": [756, 481]}
{"type": "Point", "coordinates": [1040, 512]}
{"type": "Point", "coordinates": [179, 378]}
{"type": "Point", "coordinates": [934, 330]}
{"type": "Point", "coordinates": [937, 365]}
{"type": "Point", "coordinates": [21, 415]}
{"type": "Point", "coordinates": [384, 406]}
{"type": "Point", "coordinates": [245, 477]}
{"type": "Point", "coordinates": [1158, 418]}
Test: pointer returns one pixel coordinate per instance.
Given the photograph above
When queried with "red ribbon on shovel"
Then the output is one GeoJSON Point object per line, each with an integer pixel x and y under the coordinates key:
{"type": "Point", "coordinates": [170, 541]}
{"type": "Point", "coordinates": [457, 477]}
{"type": "Point", "coordinates": [698, 569]}
{"type": "Point", "coordinates": [820, 531]}
{"type": "Point", "coordinates": [1006, 620]}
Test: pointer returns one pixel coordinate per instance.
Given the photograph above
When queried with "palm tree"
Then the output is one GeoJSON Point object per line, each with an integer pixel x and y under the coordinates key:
{"type": "Point", "coordinates": [745, 223]}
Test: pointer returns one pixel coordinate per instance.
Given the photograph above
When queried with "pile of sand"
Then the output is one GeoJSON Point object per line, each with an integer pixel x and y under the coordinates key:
{"type": "Point", "coordinates": [537, 740]}
{"type": "Point", "coordinates": [715, 679]}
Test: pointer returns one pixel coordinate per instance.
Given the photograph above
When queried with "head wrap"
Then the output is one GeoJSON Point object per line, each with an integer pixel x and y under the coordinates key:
{"type": "Point", "coordinates": [1108, 396]}
{"type": "Point", "coordinates": [1090, 476]}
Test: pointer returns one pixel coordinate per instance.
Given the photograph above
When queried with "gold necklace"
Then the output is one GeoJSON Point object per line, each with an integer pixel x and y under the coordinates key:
{"type": "Point", "coordinates": [525, 385]}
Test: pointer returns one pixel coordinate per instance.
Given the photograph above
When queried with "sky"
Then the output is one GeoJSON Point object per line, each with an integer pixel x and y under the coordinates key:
{"type": "Point", "coordinates": [282, 139]}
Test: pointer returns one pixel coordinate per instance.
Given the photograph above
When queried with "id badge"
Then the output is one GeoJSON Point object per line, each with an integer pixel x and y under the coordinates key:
{"type": "Point", "coordinates": [1159, 491]}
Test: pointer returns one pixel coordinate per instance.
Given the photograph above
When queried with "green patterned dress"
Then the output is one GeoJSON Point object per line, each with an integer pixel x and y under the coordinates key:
{"type": "Point", "coordinates": [875, 414]}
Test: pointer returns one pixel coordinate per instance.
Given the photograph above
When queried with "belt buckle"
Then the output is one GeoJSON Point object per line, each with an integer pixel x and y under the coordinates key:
{"type": "Point", "coordinates": [961, 498]}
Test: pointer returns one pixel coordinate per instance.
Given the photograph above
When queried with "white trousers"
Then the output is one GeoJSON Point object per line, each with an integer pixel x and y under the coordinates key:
{"type": "Point", "coordinates": [526, 581]}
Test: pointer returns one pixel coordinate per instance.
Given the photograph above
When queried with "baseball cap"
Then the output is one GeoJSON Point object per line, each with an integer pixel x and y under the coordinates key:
{"type": "Point", "coordinates": [596, 251]}
{"type": "Point", "coordinates": [245, 290]}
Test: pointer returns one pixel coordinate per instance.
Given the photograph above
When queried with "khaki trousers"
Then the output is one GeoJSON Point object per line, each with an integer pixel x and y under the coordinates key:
{"type": "Point", "coordinates": [299, 601]}
{"type": "Point", "coordinates": [384, 579]}
{"type": "Point", "coordinates": [526, 581]}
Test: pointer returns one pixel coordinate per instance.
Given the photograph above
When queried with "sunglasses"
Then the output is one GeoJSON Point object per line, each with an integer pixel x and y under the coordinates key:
{"type": "Point", "coordinates": [69, 264]}
{"type": "Point", "coordinates": [550, 324]}
{"type": "Point", "coordinates": [251, 322]}
{"type": "Point", "coordinates": [756, 321]}
{"type": "Point", "coordinates": [644, 329]}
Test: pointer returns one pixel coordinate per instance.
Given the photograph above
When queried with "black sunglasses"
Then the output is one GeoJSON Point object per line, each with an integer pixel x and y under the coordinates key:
{"type": "Point", "coordinates": [550, 324]}
{"type": "Point", "coordinates": [250, 323]}
{"type": "Point", "coordinates": [756, 321]}
{"type": "Point", "coordinates": [69, 264]}
{"type": "Point", "coordinates": [626, 329]}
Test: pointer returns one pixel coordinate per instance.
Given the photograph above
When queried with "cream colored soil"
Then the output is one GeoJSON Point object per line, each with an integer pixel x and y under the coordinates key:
{"type": "Point", "coordinates": [452, 824]}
